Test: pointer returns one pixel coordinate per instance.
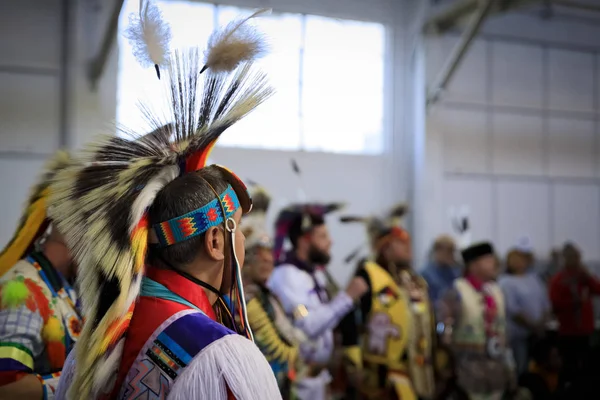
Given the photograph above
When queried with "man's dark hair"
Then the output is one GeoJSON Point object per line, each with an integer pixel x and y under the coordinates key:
{"type": "Point", "coordinates": [296, 230]}
{"type": "Point", "coordinates": [186, 193]}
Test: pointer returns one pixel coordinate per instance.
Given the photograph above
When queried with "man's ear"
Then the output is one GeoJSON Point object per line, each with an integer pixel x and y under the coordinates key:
{"type": "Point", "coordinates": [214, 244]}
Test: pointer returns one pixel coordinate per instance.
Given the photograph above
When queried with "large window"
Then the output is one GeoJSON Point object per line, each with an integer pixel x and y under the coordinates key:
{"type": "Point", "coordinates": [327, 74]}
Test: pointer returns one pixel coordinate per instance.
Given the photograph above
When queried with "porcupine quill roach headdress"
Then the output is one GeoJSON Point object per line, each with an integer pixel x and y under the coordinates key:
{"type": "Point", "coordinates": [299, 216]}
{"type": "Point", "coordinates": [380, 230]}
{"type": "Point", "coordinates": [102, 205]}
{"type": "Point", "coordinates": [34, 221]}
{"type": "Point", "coordinates": [254, 225]}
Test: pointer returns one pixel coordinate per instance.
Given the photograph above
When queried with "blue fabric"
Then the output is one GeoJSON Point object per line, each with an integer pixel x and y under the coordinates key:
{"type": "Point", "coordinates": [177, 345]}
{"type": "Point", "coordinates": [175, 348]}
{"type": "Point", "coordinates": [152, 288]}
{"type": "Point", "coordinates": [527, 295]}
{"type": "Point", "coordinates": [439, 279]}
{"type": "Point", "coordinates": [193, 332]}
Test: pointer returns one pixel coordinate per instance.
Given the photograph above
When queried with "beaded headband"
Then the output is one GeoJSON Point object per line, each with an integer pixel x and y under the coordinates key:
{"type": "Point", "coordinates": [197, 222]}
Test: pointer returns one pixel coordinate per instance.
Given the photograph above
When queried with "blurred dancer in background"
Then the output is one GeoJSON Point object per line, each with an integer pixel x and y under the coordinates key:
{"type": "Point", "coordinates": [441, 271]}
{"type": "Point", "coordinates": [472, 322]}
{"type": "Point", "coordinates": [527, 306]}
{"type": "Point", "coordinates": [396, 354]}
{"type": "Point", "coordinates": [303, 295]}
{"type": "Point", "coordinates": [571, 292]}
{"type": "Point", "coordinates": [39, 313]}
{"type": "Point", "coordinates": [274, 332]}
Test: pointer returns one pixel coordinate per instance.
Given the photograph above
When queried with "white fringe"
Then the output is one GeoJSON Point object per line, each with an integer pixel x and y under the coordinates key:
{"type": "Point", "coordinates": [106, 372]}
{"type": "Point", "coordinates": [232, 362]}
{"type": "Point", "coordinates": [66, 377]}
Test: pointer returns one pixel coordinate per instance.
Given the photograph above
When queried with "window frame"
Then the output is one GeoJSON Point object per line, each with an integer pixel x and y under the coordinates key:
{"type": "Point", "coordinates": [304, 11]}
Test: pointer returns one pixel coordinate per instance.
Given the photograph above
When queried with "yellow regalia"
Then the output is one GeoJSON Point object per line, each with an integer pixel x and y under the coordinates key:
{"type": "Point", "coordinates": [399, 324]}
{"type": "Point", "coordinates": [388, 333]}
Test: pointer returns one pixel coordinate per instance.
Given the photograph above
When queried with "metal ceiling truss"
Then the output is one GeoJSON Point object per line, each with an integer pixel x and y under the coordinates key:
{"type": "Point", "coordinates": [96, 66]}
{"type": "Point", "coordinates": [478, 11]}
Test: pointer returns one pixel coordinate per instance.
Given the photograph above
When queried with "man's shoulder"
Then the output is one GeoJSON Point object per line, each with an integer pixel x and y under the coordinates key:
{"type": "Point", "coordinates": [22, 268]}
{"type": "Point", "coordinates": [426, 273]}
{"type": "Point", "coordinates": [288, 274]}
{"type": "Point", "coordinates": [505, 280]}
{"type": "Point", "coordinates": [251, 291]}
{"type": "Point", "coordinates": [205, 331]}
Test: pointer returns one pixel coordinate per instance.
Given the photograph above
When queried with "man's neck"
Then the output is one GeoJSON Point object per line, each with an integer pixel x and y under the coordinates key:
{"type": "Point", "coordinates": [302, 256]}
{"type": "Point", "coordinates": [210, 274]}
{"type": "Point", "coordinates": [57, 263]}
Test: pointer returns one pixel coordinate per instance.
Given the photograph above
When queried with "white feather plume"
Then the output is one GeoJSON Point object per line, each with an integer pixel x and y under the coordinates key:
{"type": "Point", "coordinates": [149, 35]}
{"type": "Point", "coordinates": [236, 43]}
{"type": "Point", "coordinates": [146, 197]}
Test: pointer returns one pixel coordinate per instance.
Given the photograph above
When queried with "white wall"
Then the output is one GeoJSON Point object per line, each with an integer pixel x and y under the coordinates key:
{"type": "Point", "coordinates": [30, 122]}
{"type": "Point", "coordinates": [352, 179]}
{"type": "Point", "coordinates": [516, 135]}
{"type": "Point", "coordinates": [39, 111]}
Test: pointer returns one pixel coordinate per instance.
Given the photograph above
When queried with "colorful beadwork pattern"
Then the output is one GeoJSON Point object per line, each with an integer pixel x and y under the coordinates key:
{"type": "Point", "coordinates": [198, 221]}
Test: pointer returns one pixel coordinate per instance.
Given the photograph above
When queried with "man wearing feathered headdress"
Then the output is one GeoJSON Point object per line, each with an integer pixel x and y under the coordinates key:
{"type": "Point", "coordinates": [39, 315]}
{"type": "Point", "coordinates": [155, 231]}
{"type": "Point", "coordinates": [301, 289]}
{"type": "Point", "coordinates": [273, 331]}
{"type": "Point", "coordinates": [396, 359]}
{"type": "Point", "coordinates": [472, 323]}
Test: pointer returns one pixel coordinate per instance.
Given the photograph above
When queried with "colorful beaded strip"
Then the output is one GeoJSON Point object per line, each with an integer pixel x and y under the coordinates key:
{"type": "Point", "coordinates": [198, 221]}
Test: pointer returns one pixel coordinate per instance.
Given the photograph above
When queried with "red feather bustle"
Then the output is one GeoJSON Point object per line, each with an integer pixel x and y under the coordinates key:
{"type": "Point", "coordinates": [199, 159]}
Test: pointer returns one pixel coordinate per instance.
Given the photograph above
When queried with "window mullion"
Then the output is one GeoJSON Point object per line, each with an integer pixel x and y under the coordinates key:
{"type": "Point", "coordinates": [301, 143]}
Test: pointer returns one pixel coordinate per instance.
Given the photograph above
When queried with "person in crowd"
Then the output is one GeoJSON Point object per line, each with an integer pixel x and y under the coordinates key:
{"type": "Point", "coordinates": [571, 292]}
{"type": "Point", "coordinates": [156, 232]}
{"type": "Point", "coordinates": [297, 283]}
{"type": "Point", "coordinates": [553, 265]}
{"type": "Point", "coordinates": [527, 306]}
{"type": "Point", "coordinates": [442, 269]}
{"type": "Point", "coordinates": [273, 331]}
{"type": "Point", "coordinates": [472, 322]}
{"type": "Point", "coordinates": [447, 386]}
{"type": "Point", "coordinates": [397, 352]}
{"type": "Point", "coordinates": [40, 317]}
{"type": "Point", "coordinates": [542, 375]}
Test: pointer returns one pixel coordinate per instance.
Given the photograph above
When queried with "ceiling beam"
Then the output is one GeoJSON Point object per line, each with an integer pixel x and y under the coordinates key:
{"type": "Point", "coordinates": [579, 5]}
{"type": "Point", "coordinates": [96, 67]}
{"type": "Point", "coordinates": [459, 51]}
{"type": "Point", "coordinates": [452, 16]}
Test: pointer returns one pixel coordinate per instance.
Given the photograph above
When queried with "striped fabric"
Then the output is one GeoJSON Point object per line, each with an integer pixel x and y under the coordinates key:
{"type": "Point", "coordinates": [21, 341]}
